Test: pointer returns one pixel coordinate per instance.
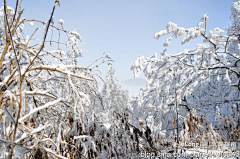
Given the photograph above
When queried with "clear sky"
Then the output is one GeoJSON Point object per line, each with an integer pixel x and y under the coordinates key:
{"type": "Point", "coordinates": [124, 29]}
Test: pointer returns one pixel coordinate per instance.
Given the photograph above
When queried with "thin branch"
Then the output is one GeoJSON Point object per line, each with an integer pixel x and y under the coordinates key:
{"type": "Point", "coordinates": [19, 69]}
{"type": "Point", "coordinates": [48, 105]}
{"type": "Point", "coordinates": [59, 70]}
{"type": "Point", "coordinates": [15, 12]}
{"type": "Point", "coordinates": [44, 39]}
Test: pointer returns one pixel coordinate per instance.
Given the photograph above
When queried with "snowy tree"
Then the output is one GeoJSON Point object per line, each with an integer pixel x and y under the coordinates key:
{"type": "Point", "coordinates": [192, 80]}
{"type": "Point", "coordinates": [114, 97]}
{"type": "Point", "coordinates": [46, 98]}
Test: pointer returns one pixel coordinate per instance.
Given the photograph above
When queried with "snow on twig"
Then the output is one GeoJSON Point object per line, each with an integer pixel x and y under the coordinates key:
{"type": "Point", "coordinates": [48, 105]}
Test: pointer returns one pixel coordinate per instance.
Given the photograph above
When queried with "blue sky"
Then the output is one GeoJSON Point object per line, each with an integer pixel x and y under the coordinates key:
{"type": "Point", "coordinates": [124, 29]}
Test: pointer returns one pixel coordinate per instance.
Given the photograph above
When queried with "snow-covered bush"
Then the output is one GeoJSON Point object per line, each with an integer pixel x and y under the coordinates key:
{"type": "Point", "coordinates": [45, 98]}
{"type": "Point", "coordinates": [49, 104]}
{"type": "Point", "coordinates": [198, 80]}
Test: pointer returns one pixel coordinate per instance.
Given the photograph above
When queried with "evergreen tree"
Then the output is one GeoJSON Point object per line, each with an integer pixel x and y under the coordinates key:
{"type": "Point", "coordinates": [114, 97]}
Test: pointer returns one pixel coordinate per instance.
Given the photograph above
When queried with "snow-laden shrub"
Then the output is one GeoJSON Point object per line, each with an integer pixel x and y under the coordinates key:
{"type": "Point", "coordinates": [204, 80]}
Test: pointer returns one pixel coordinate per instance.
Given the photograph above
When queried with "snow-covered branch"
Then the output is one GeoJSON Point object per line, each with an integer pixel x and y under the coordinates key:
{"type": "Point", "coordinates": [48, 105]}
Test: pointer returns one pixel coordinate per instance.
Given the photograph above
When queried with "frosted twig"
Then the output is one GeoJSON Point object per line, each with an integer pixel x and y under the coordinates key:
{"type": "Point", "coordinates": [48, 105]}
{"type": "Point", "coordinates": [59, 70]}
